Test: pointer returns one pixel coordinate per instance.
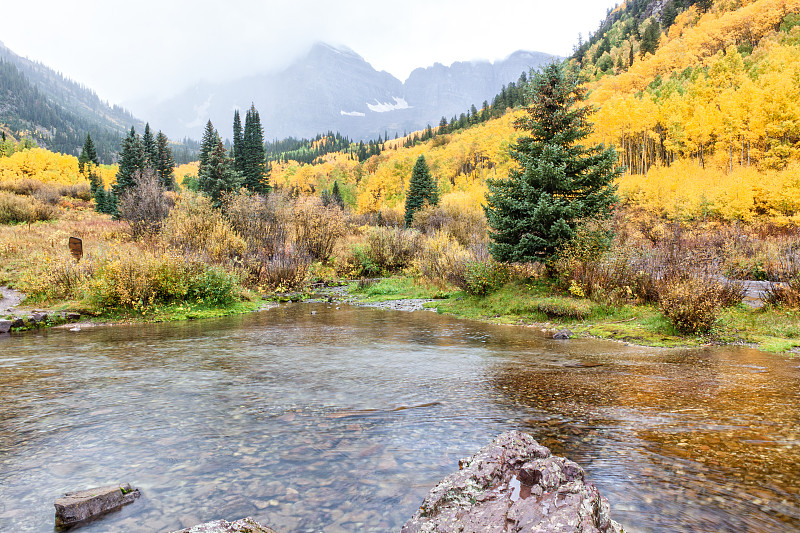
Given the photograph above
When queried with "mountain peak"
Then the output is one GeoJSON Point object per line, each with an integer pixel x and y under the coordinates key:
{"type": "Point", "coordinates": [325, 50]}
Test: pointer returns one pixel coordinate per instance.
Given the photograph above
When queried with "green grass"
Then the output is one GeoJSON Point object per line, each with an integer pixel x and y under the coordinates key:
{"type": "Point", "coordinates": [541, 303]}
{"type": "Point", "coordinates": [177, 311]}
{"type": "Point", "coordinates": [397, 288]}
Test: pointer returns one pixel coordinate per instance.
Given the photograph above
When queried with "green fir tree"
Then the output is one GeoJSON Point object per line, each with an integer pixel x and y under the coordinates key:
{"type": "Point", "coordinates": [254, 169]}
{"type": "Point", "coordinates": [165, 163]}
{"type": "Point", "coordinates": [560, 183]}
{"type": "Point", "coordinates": [238, 142]}
{"type": "Point", "coordinates": [218, 176]}
{"type": "Point", "coordinates": [149, 147]}
{"type": "Point", "coordinates": [88, 154]}
{"type": "Point", "coordinates": [421, 190]}
{"type": "Point", "coordinates": [131, 160]}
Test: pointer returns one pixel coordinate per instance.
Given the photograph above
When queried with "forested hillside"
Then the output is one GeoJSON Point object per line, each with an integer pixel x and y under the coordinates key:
{"type": "Point", "coordinates": [57, 113]}
{"type": "Point", "coordinates": [701, 101]}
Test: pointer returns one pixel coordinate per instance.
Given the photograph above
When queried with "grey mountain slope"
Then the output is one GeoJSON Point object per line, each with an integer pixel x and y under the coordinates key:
{"type": "Point", "coordinates": [334, 89]}
{"type": "Point", "coordinates": [71, 95]}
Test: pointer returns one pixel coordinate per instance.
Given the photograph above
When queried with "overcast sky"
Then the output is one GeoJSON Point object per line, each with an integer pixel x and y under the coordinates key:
{"type": "Point", "coordinates": [126, 50]}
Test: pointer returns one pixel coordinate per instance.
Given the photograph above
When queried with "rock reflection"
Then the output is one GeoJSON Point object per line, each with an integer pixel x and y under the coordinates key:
{"type": "Point", "coordinates": [697, 439]}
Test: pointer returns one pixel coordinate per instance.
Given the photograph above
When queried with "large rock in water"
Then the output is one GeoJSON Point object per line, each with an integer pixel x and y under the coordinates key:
{"type": "Point", "coordinates": [245, 525]}
{"type": "Point", "coordinates": [76, 507]}
{"type": "Point", "coordinates": [514, 485]}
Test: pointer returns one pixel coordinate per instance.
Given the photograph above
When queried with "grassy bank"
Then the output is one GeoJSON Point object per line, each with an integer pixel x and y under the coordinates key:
{"type": "Point", "coordinates": [537, 303]}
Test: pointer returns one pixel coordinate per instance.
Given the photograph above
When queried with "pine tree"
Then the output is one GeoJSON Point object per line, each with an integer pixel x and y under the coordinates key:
{"type": "Point", "coordinates": [255, 161]}
{"type": "Point", "coordinates": [650, 38]}
{"type": "Point", "coordinates": [559, 183]}
{"type": "Point", "coordinates": [238, 142]}
{"type": "Point", "coordinates": [88, 154]}
{"type": "Point", "coordinates": [336, 195]}
{"type": "Point", "coordinates": [165, 163]}
{"type": "Point", "coordinates": [131, 159]}
{"type": "Point", "coordinates": [208, 143]}
{"type": "Point", "coordinates": [421, 190]}
{"type": "Point", "coordinates": [218, 175]}
{"type": "Point", "coordinates": [150, 148]}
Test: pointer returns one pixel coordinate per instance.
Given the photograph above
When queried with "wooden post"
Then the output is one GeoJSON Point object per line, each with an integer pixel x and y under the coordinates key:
{"type": "Point", "coordinates": [76, 248]}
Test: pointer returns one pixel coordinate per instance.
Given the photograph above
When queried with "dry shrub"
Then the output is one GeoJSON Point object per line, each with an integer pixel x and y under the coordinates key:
{"type": "Point", "coordinates": [47, 195]}
{"type": "Point", "coordinates": [81, 191]}
{"type": "Point", "coordinates": [691, 304]}
{"type": "Point", "coordinates": [197, 228]}
{"type": "Point", "coordinates": [263, 221]}
{"type": "Point", "coordinates": [25, 186]}
{"type": "Point", "coordinates": [317, 227]}
{"type": "Point", "coordinates": [283, 271]}
{"type": "Point", "coordinates": [466, 224]}
{"type": "Point", "coordinates": [443, 261]}
{"type": "Point", "coordinates": [388, 250]}
{"type": "Point", "coordinates": [786, 295]}
{"type": "Point", "coordinates": [485, 277]}
{"type": "Point", "coordinates": [16, 208]}
{"type": "Point", "coordinates": [391, 218]}
{"type": "Point", "coordinates": [142, 279]}
{"type": "Point", "coordinates": [130, 278]}
{"type": "Point", "coordinates": [145, 205]}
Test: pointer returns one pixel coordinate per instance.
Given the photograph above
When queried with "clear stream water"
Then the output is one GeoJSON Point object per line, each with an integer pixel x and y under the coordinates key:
{"type": "Point", "coordinates": [344, 419]}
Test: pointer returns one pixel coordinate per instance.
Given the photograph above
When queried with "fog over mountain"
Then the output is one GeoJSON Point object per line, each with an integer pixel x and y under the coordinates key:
{"type": "Point", "coordinates": [335, 89]}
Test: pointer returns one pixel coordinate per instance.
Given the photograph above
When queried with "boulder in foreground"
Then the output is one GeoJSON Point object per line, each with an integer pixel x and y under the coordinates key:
{"type": "Point", "coordinates": [514, 485]}
{"type": "Point", "coordinates": [76, 507]}
{"type": "Point", "coordinates": [245, 525]}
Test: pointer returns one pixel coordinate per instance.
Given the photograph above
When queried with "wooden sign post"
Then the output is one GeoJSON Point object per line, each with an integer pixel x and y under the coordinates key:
{"type": "Point", "coordinates": [76, 248]}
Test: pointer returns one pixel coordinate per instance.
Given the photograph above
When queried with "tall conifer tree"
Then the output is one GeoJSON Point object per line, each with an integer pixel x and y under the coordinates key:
{"type": "Point", "coordinates": [238, 142]}
{"type": "Point", "coordinates": [218, 176]}
{"type": "Point", "coordinates": [421, 189]}
{"type": "Point", "coordinates": [150, 148]}
{"type": "Point", "coordinates": [537, 209]}
{"type": "Point", "coordinates": [131, 160]}
{"type": "Point", "coordinates": [255, 161]}
{"type": "Point", "coordinates": [88, 154]}
{"type": "Point", "coordinates": [208, 143]}
{"type": "Point", "coordinates": [165, 163]}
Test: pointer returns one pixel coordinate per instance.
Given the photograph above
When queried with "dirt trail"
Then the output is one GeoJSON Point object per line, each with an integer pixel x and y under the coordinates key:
{"type": "Point", "coordinates": [10, 299]}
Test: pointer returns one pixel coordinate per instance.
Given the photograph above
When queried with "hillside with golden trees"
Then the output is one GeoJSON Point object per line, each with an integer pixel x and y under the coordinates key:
{"type": "Point", "coordinates": [707, 126]}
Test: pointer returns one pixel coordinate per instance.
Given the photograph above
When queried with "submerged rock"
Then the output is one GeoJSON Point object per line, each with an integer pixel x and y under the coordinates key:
{"type": "Point", "coordinates": [563, 334]}
{"type": "Point", "coordinates": [76, 507]}
{"type": "Point", "coordinates": [514, 484]}
{"type": "Point", "coordinates": [245, 525]}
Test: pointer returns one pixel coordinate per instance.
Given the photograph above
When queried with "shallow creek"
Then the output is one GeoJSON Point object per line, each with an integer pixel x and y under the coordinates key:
{"type": "Point", "coordinates": [342, 420]}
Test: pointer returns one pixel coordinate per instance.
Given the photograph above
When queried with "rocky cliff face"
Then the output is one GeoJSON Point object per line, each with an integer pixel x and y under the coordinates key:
{"type": "Point", "coordinates": [514, 485]}
{"type": "Point", "coordinates": [335, 89]}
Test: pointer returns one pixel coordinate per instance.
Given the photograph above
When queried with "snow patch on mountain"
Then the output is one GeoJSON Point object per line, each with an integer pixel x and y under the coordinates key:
{"type": "Point", "coordinates": [383, 107]}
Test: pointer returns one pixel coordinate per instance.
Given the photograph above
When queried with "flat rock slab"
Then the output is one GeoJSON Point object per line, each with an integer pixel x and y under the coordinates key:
{"type": "Point", "coordinates": [76, 507]}
{"type": "Point", "coordinates": [245, 525]}
{"type": "Point", "coordinates": [514, 485]}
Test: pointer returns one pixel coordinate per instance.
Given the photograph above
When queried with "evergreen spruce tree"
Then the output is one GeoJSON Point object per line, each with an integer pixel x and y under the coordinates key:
{"type": "Point", "coordinates": [218, 175]}
{"type": "Point", "coordinates": [238, 142]}
{"type": "Point", "coordinates": [336, 195]}
{"type": "Point", "coordinates": [559, 183]}
{"type": "Point", "coordinates": [650, 38]}
{"type": "Point", "coordinates": [88, 154]}
{"type": "Point", "coordinates": [208, 143]}
{"type": "Point", "coordinates": [165, 163]}
{"type": "Point", "coordinates": [254, 168]}
{"type": "Point", "coordinates": [131, 159]}
{"type": "Point", "coordinates": [150, 148]}
{"type": "Point", "coordinates": [421, 189]}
